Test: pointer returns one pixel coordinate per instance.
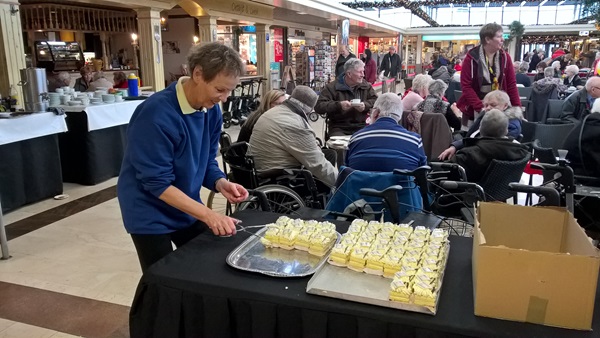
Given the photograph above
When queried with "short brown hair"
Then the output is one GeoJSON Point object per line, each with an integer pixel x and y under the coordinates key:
{"type": "Point", "coordinates": [85, 70]}
{"type": "Point", "coordinates": [119, 77]}
{"type": "Point", "coordinates": [214, 58]}
{"type": "Point", "coordinates": [489, 31]}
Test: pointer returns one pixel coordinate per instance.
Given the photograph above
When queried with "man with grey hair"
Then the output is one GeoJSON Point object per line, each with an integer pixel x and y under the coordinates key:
{"type": "Point", "coordinates": [172, 143]}
{"type": "Point", "coordinates": [283, 139]}
{"type": "Point", "coordinates": [391, 63]}
{"type": "Point", "coordinates": [345, 55]}
{"type": "Point", "coordinates": [385, 145]}
{"type": "Point", "coordinates": [62, 79]}
{"type": "Point", "coordinates": [521, 75]}
{"type": "Point", "coordinates": [478, 153]}
{"type": "Point", "coordinates": [578, 104]}
{"type": "Point", "coordinates": [347, 101]}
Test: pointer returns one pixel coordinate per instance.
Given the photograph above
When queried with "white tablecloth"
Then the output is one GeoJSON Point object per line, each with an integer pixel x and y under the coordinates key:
{"type": "Point", "coordinates": [26, 127]}
{"type": "Point", "coordinates": [106, 115]}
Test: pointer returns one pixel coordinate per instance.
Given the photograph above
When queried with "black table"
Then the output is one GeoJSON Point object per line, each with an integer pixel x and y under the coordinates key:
{"type": "Point", "coordinates": [30, 171]}
{"type": "Point", "coordinates": [90, 157]}
{"type": "Point", "coordinates": [194, 293]}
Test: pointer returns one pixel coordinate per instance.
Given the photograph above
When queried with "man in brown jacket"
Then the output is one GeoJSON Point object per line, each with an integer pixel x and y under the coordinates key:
{"type": "Point", "coordinates": [347, 100]}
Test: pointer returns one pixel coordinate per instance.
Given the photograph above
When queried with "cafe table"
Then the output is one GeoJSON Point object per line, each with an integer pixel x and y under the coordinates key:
{"type": "Point", "coordinates": [92, 150]}
{"type": "Point", "coordinates": [30, 168]}
{"type": "Point", "coordinates": [192, 292]}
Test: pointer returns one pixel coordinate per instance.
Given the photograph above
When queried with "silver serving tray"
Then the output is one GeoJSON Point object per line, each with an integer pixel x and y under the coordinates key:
{"type": "Point", "coordinates": [253, 256]}
{"type": "Point", "coordinates": [343, 283]}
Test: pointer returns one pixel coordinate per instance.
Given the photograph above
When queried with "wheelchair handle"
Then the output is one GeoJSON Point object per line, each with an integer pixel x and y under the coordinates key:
{"type": "Point", "coordinates": [567, 176]}
{"type": "Point", "coordinates": [379, 193]}
{"type": "Point", "coordinates": [552, 198]}
{"type": "Point", "coordinates": [424, 168]}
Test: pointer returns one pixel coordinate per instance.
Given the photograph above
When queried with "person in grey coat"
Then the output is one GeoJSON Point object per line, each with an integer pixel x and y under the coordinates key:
{"type": "Point", "coordinates": [283, 139]}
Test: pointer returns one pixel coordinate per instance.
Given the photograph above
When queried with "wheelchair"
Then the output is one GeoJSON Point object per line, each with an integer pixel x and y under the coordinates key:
{"type": "Point", "coordinates": [286, 190]}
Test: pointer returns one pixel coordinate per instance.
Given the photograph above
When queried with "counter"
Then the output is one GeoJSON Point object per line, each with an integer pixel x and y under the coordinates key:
{"type": "Point", "coordinates": [92, 150]}
{"type": "Point", "coordinates": [30, 170]}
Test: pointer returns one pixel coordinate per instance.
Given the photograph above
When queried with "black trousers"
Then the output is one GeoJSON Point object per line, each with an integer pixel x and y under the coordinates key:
{"type": "Point", "coordinates": [151, 248]}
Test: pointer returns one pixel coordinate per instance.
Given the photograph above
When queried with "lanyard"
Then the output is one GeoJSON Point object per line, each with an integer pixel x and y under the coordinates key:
{"type": "Point", "coordinates": [493, 77]}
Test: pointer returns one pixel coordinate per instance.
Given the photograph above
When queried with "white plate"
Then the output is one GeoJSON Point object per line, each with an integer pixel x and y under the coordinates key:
{"type": "Point", "coordinates": [345, 137]}
{"type": "Point", "coordinates": [5, 115]}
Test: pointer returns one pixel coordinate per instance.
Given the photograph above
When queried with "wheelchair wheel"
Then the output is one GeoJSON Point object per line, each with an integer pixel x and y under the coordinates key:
{"type": "Point", "coordinates": [313, 116]}
{"type": "Point", "coordinates": [218, 205]}
{"type": "Point", "coordinates": [282, 199]}
{"type": "Point", "coordinates": [226, 123]}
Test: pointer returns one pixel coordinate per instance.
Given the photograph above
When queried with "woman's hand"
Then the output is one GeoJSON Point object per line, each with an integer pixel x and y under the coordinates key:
{"type": "Point", "coordinates": [447, 154]}
{"type": "Point", "coordinates": [456, 111]}
{"type": "Point", "coordinates": [220, 224]}
{"type": "Point", "coordinates": [234, 192]}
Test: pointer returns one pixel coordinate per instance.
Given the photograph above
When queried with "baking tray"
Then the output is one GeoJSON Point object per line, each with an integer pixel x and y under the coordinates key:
{"type": "Point", "coordinates": [253, 256]}
{"type": "Point", "coordinates": [343, 283]}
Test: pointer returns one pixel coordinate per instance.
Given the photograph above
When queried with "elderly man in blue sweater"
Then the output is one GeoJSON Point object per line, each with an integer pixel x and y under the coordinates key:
{"type": "Point", "coordinates": [385, 145]}
{"type": "Point", "coordinates": [173, 139]}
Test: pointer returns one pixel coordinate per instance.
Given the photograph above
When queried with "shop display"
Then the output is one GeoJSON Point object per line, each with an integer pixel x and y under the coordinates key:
{"type": "Point", "coordinates": [304, 60]}
{"type": "Point", "coordinates": [314, 237]}
{"type": "Point", "coordinates": [324, 64]}
{"type": "Point", "coordinates": [59, 55]}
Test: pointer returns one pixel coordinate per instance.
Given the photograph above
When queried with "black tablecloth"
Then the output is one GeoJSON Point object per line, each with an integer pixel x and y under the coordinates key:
{"type": "Point", "coordinates": [90, 157]}
{"type": "Point", "coordinates": [30, 171]}
{"type": "Point", "coordinates": [194, 293]}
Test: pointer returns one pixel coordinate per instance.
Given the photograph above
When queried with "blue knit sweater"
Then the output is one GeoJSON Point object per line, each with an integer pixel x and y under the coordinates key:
{"type": "Point", "coordinates": [166, 147]}
{"type": "Point", "coordinates": [384, 146]}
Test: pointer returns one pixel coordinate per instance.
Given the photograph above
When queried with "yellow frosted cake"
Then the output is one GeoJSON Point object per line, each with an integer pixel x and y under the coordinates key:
{"type": "Point", "coordinates": [315, 237]}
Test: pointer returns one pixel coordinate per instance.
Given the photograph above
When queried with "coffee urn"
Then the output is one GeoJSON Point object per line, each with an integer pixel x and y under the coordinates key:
{"type": "Point", "coordinates": [35, 89]}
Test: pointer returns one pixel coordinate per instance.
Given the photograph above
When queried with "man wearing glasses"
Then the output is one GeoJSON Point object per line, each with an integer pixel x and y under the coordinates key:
{"type": "Point", "coordinates": [578, 104]}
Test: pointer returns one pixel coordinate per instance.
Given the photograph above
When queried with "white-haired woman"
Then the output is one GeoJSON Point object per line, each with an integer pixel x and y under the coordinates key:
{"type": "Point", "coordinates": [433, 103]}
{"type": "Point", "coordinates": [419, 91]}
{"type": "Point", "coordinates": [556, 66]}
{"type": "Point", "coordinates": [572, 78]}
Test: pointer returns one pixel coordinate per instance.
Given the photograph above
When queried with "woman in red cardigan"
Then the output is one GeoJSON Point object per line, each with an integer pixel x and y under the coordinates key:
{"type": "Point", "coordinates": [370, 67]}
{"type": "Point", "coordinates": [486, 68]}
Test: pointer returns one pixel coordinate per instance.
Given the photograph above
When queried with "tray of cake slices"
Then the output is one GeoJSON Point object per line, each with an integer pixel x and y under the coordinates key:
{"type": "Point", "coordinates": [386, 264]}
{"type": "Point", "coordinates": [286, 248]}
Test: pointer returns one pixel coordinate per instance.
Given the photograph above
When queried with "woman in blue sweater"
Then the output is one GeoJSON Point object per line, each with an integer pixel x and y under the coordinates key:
{"type": "Point", "coordinates": [172, 142]}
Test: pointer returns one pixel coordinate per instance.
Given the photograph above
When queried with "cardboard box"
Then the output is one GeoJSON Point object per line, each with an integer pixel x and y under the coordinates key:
{"type": "Point", "coordinates": [533, 264]}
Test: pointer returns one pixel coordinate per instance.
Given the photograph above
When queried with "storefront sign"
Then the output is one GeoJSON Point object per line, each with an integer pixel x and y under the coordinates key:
{"type": "Point", "coordinates": [235, 7]}
{"type": "Point", "coordinates": [268, 37]}
{"type": "Point", "coordinates": [584, 33]}
{"type": "Point", "coordinates": [454, 37]}
{"type": "Point", "coordinates": [363, 43]}
{"type": "Point", "coordinates": [278, 51]}
{"type": "Point", "coordinates": [345, 32]}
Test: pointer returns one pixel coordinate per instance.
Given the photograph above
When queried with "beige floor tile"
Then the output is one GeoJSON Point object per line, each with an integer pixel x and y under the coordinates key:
{"type": "Point", "coordinates": [5, 324]}
{"type": "Point", "coordinates": [20, 330]}
{"type": "Point", "coordinates": [63, 335]}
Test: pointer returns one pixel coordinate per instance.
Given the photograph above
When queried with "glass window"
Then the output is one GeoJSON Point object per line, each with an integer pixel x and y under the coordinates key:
{"type": "Point", "coordinates": [478, 16]}
{"type": "Point", "coordinates": [510, 14]}
{"type": "Point", "coordinates": [494, 14]}
{"type": "Point", "coordinates": [461, 15]}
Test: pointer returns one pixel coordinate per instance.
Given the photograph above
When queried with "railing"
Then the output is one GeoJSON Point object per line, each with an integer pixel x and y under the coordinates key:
{"type": "Point", "coordinates": [62, 17]}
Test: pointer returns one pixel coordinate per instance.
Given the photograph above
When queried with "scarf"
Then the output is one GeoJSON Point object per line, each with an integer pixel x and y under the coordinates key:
{"type": "Point", "coordinates": [433, 104]}
{"type": "Point", "coordinates": [489, 72]}
{"type": "Point", "coordinates": [296, 107]}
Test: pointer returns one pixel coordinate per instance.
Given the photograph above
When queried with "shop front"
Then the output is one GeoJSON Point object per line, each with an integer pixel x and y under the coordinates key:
{"type": "Point", "coordinates": [66, 38]}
